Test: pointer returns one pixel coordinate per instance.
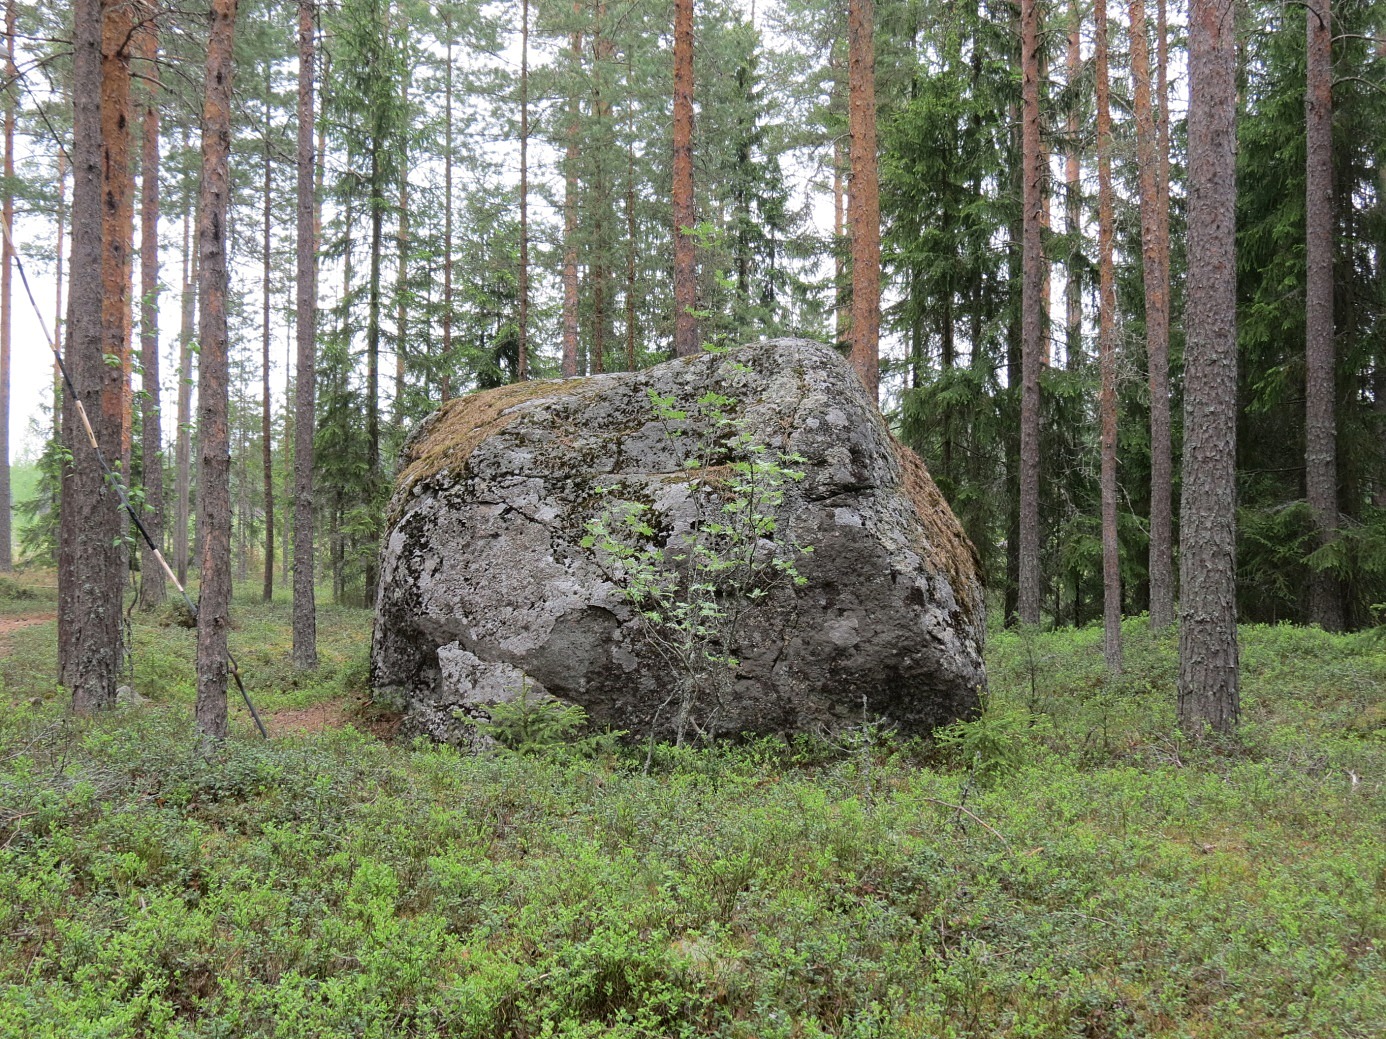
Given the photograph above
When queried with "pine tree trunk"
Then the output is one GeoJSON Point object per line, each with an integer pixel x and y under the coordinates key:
{"type": "Point", "coordinates": [445, 377]}
{"type": "Point", "coordinates": [305, 650]}
{"type": "Point", "coordinates": [1320, 453]}
{"type": "Point", "coordinates": [6, 275]}
{"type": "Point", "coordinates": [1154, 227]}
{"type": "Point", "coordinates": [152, 584]}
{"type": "Point", "coordinates": [1208, 681]}
{"type": "Point", "coordinates": [266, 426]}
{"type": "Point", "coordinates": [630, 225]}
{"type": "Point", "coordinates": [1031, 284]}
{"type": "Point", "coordinates": [569, 364]}
{"type": "Point", "coordinates": [841, 319]}
{"type": "Point", "coordinates": [522, 364]}
{"type": "Point", "coordinates": [214, 473]}
{"type": "Point", "coordinates": [91, 557]}
{"type": "Point", "coordinates": [402, 280]}
{"type": "Point", "coordinates": [59, 314]}
{"type": "Point", "coordinates": [182, 452]}
{"type": "Point", "coordinates": [863, 201]}
{"type": "Point", "coordinates": [685, 218]}
{"type": "Point", "coordinates": [1106, 340]}
{"type": "Point", "coordinates": [1073, 201]}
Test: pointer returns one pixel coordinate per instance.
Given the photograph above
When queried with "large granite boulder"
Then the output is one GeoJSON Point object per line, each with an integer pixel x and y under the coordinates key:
{"type": "Point", "coordinates": [487, 591]}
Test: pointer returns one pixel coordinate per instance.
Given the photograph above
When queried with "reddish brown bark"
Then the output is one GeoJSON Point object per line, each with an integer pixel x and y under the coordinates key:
{"type": "Point", "coordinates": [214, 471]}
{"type": "Point", "coordinates": [152, 585]}
{"type": "Point", "coordinates": [685, 250]}
{"type": "Point", "coordinates": [863, 202]}
{"type": "Point", "coordinates": [305, 650]}
{"type": "Point", "coordinates": [1031, 327]}
{"type": "Point", "coordinates": [1106, 343]}
{"type": "Point", "coordinates": [1320, 447]}
{"type": "Point", "coordinates": [1208, 680]}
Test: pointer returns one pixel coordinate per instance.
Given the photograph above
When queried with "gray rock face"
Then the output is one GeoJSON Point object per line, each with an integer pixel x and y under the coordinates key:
{"type": "Point", "coordinates": [487, 592]}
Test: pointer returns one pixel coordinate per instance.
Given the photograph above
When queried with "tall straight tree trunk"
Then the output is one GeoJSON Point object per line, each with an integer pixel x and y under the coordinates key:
{"type": "Point", "coordinates": [1073, 200]}
{"type": "Point", "coordinates": [1154, 228]}
{"type": "Point", "coordinates": [152, 584]}
{"type": "Point", "coordinates": [1106, 341]}
{"type": "Point", "coordinates": [305, 651]}
{"type": "Point", "coordinates": [841, 319]}
{"type": "Point", "coordinates": [1320, 437]}
{"type": "Point", "coordinates": [59, 314]}
{"type": "Point", "coordinates": [6, 276]}
{"type": "Point", "coordinates": [373, 303]}
{"type": "Point", "coordinates": [266, 430]}
{"type": "Point", "coordinates": [685, 250]}
{"type": "Point", "coordinates": [1032, 327]}
{"type": "Point", "coordinates": [1208, 681]}
{"type": "Point", "coordinates": [402, 280]}
{"type": "Point", "coordinates": [630, 221]}
{"type": "Point", "coordinates": [522, 364]}
{"type": "Point", "coordinates": [600, 196]}
{"type": "Point", "coordinates": [214, 472]}
{"type": "Point", "coordinates": [182, 451]}
{"type": "Point", "coordinates": [445, 376]}
{"type": "Point", "coordinates": [863, 202]}
{"type": "Point", "coordinates": [570, 254]}
{"type": "Point", "coordinates": [91, 560]}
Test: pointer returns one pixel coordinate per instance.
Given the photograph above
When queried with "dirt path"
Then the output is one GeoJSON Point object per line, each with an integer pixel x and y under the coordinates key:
{"type": "Point", "coordinates": [330, 714]}
{"type": "Point", "coordinates": [9, 625]}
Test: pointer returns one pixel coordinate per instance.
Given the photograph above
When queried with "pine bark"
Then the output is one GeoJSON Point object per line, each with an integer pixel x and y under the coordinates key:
{"type": "Point", "coordinates": [153, 588]}
{"type": "Point", "coordinates": [1208, 680]}
{"type": "Point", "coordinates": [305, 649]}
{"type": "Point", "coordinates": [569, 363]}
{"type": "Point", "coordinates": [1073, 201]}
{"type": "Point", "coordinates": [863, 201]}
{"type": "Point", "coordinates": [685, 218]}
{"type": "Point", "coordinates": [91, 557]}
{"type": "Point", "coordinates": [59, 314]}
{"type": "Point", "coordinates": [1106, 340]}
{"type": "Point", "coordinates": [445, 378]}
{"type": "Point", "coordinates": [402, 279]}
{"type": "Point", "coordinates": [182, 450]}
{"type": "Point", "coordinates": [266, 424]}
{"type": "Point", "coordinates": [1320, 448]}
{"type": "Point", "coordinates": [1031, 331]}
{"type": "Point", "coordinates": [1154, 229]}
{"type": "Point", "coordinates": [522, 364]}
{"type": "Point", "coordinates": [6, 276]}
{"type": "Point", "coordinates": [214, 472]}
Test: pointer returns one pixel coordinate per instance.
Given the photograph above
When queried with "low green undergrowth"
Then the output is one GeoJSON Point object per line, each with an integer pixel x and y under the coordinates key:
{"type": "Point", "coordinates": [1067, 866]}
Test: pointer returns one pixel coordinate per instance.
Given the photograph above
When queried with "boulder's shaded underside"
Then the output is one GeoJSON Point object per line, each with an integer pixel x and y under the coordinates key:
{"type": "Point", "coordinates": [485, 589]}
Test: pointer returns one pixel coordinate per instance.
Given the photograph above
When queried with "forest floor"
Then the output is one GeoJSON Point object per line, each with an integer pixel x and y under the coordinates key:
{"type": "Point", "coordinates": [1067, 866]}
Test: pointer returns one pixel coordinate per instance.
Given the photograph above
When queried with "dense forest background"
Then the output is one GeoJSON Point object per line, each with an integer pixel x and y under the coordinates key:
{"type": "Point", "coordinates": [473, 156]}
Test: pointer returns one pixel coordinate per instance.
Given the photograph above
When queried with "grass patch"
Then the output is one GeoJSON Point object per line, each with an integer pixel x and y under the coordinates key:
{"type": "Point", "coordinates": [1105, 878]}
